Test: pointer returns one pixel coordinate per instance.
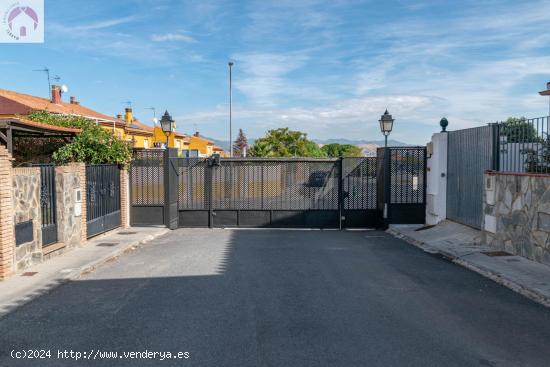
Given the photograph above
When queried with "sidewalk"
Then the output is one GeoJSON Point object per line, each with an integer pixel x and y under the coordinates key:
{"type": "Point", "coordinates": [458, 243]}
{"type": "Point", "coordinates": [20, 289]}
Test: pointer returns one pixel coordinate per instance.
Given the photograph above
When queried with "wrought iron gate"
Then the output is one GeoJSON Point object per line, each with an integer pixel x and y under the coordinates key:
{"type": "Point", "coordinates": [102, 198]}
{"type": "Point", "coordinates": [48, 204]}
{"type": "Point", "coordinates": [278, 192]}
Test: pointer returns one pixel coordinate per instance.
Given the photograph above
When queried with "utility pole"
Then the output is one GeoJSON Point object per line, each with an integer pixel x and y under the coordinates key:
{"type": "Point", "coordinates": [230, 63]}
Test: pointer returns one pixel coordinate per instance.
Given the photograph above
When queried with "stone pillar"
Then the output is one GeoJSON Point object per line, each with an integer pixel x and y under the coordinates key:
{"type": "Point", "coordinates": [124, 198]}
{"type": "Point", "coordinates": [7, 236]}
{"type": "Point", "coordinates": [436, 189]}
{"type": "Point", "coordinates": [70, 226]}
{"type": "Point", "coordinates": [26, 207]}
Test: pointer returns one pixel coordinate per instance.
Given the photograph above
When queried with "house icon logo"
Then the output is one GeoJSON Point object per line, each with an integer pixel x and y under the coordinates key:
{"type": "Point", "coordinates": [22, 21]}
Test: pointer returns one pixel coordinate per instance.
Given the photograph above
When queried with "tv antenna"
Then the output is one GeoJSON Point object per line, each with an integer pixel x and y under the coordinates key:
{"type": "Point", "coordinates": [127, 103]}
{"type": "Point", "coordinates": [47, 71]}
{"type": "Point", "coordinates": [155, 120]}
{"type": "Point", "coordinates": [57, 78]}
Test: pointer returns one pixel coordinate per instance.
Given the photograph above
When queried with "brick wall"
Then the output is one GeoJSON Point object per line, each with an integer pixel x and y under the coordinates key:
{"type": "Point", "coordinates": [124, 199]}
{"type": "Point", "coordinates": [7, 236]}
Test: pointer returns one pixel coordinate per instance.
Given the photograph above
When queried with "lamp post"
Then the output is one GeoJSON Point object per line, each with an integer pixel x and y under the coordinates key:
{"type": "Point", "coordinates": [230, 64]}
{"type": "Point", "coordinates": [167, 126]}
{"type": "Point", "coordinates": [386, 126]}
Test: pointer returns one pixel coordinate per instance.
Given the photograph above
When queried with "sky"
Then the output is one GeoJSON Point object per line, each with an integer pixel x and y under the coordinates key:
{"type": "Point", "coordinates": [328, 68]}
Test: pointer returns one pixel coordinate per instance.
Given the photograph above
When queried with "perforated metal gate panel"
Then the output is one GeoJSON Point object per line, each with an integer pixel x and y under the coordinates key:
{"type": "Point", "coordinates": [147, 188]}
{"type": "Point", "coordinates": [277, 192]}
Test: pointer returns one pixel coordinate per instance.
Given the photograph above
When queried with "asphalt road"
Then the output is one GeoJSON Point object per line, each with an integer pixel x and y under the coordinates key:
{"type": "Point", "coordinates": [282, 298]}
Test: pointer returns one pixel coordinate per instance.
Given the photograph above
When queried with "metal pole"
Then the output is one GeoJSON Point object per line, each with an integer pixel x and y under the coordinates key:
{"type": "Point", "coordinates": [385, 140]}
{"type": "Point", "coordinates": [230, 109]}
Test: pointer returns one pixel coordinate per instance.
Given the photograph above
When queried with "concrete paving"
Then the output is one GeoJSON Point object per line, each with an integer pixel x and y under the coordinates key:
{"type": "Point", "coordinates": [19, 289]}
{"type": "Point", "coordinates": [460, 244]}
{"type": "Point", "coordinates": [281, 298]}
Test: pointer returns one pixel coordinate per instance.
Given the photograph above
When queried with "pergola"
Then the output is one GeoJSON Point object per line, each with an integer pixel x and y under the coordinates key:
{"type": "Point", "coordinates": [19, 127]}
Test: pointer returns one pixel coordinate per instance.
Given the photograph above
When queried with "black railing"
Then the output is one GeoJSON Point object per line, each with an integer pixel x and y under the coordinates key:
{"type": "Point", "coordinates": [48, 204]}
{"type": "Point", "coordinates": [523, 145]}
{"type": "Point", "coordinates": [102, 198]}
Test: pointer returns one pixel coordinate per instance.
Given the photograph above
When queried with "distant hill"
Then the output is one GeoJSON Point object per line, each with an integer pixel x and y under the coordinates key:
{"type": "Point", "coordinates": [380, 143]}
{"type": "Point", "coordinates": [368, 147]}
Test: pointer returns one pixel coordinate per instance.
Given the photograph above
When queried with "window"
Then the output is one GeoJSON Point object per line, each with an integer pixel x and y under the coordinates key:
{"type": "Point", "coordinates": [145, 143]}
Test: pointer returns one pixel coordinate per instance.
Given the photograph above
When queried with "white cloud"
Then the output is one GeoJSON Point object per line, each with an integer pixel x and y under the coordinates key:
{"type": "Point", "coordinates": [170, 37]}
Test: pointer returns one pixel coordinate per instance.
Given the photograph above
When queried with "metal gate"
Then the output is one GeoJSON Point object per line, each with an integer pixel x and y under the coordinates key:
{"type": "Point", "coordinates": [48, 208]}
{"type": "Point", "coordinates": [278, 192]}
{"type": "Point", "coordinates": [316, 193]}
{"type": "Point", "coordinates": [102, 198]}
{"type": "Point", "coordinates": [402, 184]}
{"type": "Point", "coordinates": [471, 153]}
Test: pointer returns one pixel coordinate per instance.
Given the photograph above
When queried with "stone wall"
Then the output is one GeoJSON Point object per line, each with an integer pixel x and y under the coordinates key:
{"type": "Point", "coordinates": [69, 225]}
{"type": "Point", "coordinates": [517, 214]}
{"type": "Point", "coordinates": [26, 207]}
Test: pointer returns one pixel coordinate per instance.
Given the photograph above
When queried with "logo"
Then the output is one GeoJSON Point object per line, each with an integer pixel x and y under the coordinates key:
{"type": "Point", "coordinates": [22, 21]}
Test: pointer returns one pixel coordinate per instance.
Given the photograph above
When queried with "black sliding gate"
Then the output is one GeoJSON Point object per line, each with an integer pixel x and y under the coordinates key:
{"type": "Point", "coordinates": [102, 198]}
{"type": "Point", "coordinates": [281, 192]}
{"type": "Point", "coordinates": [48, 204]}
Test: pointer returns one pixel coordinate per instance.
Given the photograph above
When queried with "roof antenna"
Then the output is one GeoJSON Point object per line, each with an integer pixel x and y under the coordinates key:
{"type": "Point", "coordinates": [57, 78]}
{"type": "Point", "coordinates": [155, 120]}
{"type": "Point", "coordinates": [47, 71]}
{"type": "Point", "coordinates": [127, 103]}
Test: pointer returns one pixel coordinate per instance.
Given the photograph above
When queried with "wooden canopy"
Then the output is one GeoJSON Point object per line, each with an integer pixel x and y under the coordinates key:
{"type": "Point", "coordinates": [19, 127]}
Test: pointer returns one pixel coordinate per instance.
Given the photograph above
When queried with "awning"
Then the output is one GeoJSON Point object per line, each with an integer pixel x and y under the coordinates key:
{"type": "Point", "coordinates": [19, 127]}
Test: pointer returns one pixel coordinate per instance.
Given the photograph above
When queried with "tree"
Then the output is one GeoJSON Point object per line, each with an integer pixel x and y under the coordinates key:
{"type": "Point", "coordinates": [94, 145]}
{"type": "Point", "coordinates": [285, 143]}
{"type": "Point", "coordinates": [240, 145]}
{"type": "Point", "coordinates": [341, 150]}
{"type": "Point", "coordinates": [519, 130]}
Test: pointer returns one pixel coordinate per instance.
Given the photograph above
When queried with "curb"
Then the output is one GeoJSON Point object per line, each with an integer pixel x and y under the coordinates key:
{"type": "Point", "coordinates": [485, 272]}
{"type": "Point", "coordinates": [61, 278]}
{"type": "Point", "coordinates": [93, 265]}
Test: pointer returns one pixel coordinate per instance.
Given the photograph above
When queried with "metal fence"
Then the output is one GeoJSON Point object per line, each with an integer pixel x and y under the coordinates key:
{"type": "Point", "coordinates": [470, 153]}
{"type": "Point", "coordinates": [524, 145]}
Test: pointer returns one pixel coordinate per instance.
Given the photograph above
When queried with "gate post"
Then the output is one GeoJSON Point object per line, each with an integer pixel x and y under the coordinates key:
{"type": "Point", "coordinates": [170, 188]}
{"type": "Point", "coordinates": [340, 191]}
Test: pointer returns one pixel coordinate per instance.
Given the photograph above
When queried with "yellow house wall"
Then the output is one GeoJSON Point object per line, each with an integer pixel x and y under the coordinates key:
{"type": "Point", "coordinates": [201, 145]}
{"type": "Point", "coordinates": [159, 137]}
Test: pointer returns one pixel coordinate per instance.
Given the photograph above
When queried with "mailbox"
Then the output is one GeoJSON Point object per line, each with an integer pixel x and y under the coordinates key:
{"type": "Point", "coordinates": [77, 203]}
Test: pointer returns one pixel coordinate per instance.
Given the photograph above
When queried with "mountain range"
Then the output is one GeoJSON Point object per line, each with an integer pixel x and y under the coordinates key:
{"type": "Point", "coordinates": [367, 146]}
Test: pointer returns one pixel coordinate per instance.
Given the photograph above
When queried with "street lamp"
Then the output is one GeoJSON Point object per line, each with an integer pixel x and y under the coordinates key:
{"type": "Point", "coordinates": [167, 126]}
{"type": "Point", "coordinates": [230, 64]}
{"type": "Point", "coordinates": [386, 126]}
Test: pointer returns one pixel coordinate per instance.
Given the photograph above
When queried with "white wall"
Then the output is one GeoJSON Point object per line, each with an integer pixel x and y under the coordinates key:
{"type": "Point", "coordinates": [436, 190]}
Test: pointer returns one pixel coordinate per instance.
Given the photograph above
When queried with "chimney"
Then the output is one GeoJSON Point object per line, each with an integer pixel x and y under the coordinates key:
{"type": "Point", "coordinates": [56, 94]}
{"type": "Point", "coordinates": [128, 115]}
{"type": "Point", "coordinates": [197, 134]}
{"type": "Point", "coordinates": [73, 100]}
{"type": "Point", "coordinates": [119, 116]}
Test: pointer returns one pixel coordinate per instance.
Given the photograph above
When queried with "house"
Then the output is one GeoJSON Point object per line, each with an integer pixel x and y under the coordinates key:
{"type": "Point", "coordinates": [202, 146]}
{"type": "Point", "coordinates": [13, 104]}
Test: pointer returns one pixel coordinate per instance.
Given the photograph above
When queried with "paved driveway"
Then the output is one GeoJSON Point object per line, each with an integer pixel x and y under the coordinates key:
{"type": "Point", "coordinates": [282, 298]}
